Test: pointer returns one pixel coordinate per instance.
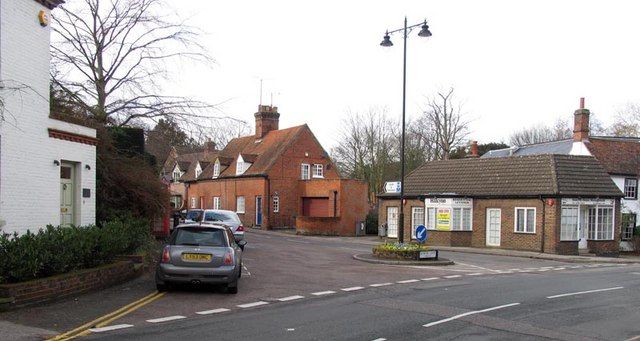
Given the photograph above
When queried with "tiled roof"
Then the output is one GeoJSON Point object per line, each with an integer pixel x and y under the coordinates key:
{"type": "Point", "coordinates": [51, 4]}
{"type": "Point", "coordinates": [260, 152]}
{"type": "Point", "coordinates": [619, 156]}
{"type": "Point", "coordinates": [523, 176]}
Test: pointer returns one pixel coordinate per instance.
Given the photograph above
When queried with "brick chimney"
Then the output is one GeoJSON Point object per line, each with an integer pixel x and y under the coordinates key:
{"type": "Point", "coordinates": [209, 148]}
{"type": "Point", "coordinates": [267, 119]}
{"type": "Point", "coordinates": [581, 123]}
{"type": "Point", "coordinates": [474, 148]}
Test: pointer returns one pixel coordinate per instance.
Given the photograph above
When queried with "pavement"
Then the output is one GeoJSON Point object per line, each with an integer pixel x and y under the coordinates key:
{"type": "Point", "coordinates": [624, 258]}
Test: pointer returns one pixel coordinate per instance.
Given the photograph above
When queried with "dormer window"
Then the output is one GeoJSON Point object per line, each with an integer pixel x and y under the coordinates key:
{"type": "Point", "coordinates": [198, 170]}
{"type": "Point", "coordinates": [241, 165]}
{"type": "Point", "coordinates": [176, 174]}
{"type": "Point", "coordinates": [216, 169]}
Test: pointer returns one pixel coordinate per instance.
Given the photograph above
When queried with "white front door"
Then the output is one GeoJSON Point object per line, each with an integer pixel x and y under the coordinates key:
{"type": "Point", "coordinates": [587, 222]}
{"type": "Point", "coordinates": [392, 222]}
{"type": "Point", "coordinates": [67, 196]}
{"type": "Point", "coordinates": [493, 226]}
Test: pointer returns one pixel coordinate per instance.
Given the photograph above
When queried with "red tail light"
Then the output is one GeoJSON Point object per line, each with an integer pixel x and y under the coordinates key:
{"type": "Point", "coordinates": [165, 255]}
{"type": "Point", "coordinates": [240, 228]}
{"type": "Point", "coordinates": [228, 260]}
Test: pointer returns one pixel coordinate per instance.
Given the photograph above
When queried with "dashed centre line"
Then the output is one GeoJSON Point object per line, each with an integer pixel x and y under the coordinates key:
{"type": "Point", "coordinates": [251, 305]}
{"type": "Point", "coordinates": [167, 319]}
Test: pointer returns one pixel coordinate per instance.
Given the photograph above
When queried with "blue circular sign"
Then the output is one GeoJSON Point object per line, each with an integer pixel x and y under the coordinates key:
{"type": "Point", "coordinates": [421, 233]}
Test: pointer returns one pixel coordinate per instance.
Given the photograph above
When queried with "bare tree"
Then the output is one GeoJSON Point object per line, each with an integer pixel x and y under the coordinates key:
{"type": "Point", "coordinates": [110, 58]}
{"type": "Point", "coordinates": [224, 130]}
{"type": "Point", "coordinates": [627, 121]}
{"type": "Point", "coordinates": [560, 130]}
{"type": "Point", "coordinates": [368, 148]}
{"type": "Point", "coordinates": [446, 123]}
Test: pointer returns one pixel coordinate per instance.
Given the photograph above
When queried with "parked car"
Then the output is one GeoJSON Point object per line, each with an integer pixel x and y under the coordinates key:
{"type": "Point", "coordinates": [198, 253]}
{"type": "Point", "coordinates": [229, 218]}
{"type": "Point", "coordinates": [193, 215]}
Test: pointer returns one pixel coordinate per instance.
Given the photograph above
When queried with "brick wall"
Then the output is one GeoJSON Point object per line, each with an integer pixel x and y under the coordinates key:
{"type": "Point", "coordinates": [53, 288]}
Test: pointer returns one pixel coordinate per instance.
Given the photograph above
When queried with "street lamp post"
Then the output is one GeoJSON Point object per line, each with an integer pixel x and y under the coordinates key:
{"type": "Point", "coordinates": [386, 42]}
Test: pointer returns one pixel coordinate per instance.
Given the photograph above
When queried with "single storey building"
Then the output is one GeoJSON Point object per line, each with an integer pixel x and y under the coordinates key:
{"type": "Point", "coordinates": [562, 204]}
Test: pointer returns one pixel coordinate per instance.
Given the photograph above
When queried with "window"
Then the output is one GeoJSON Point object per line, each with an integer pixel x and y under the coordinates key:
{"type": "Point", "coordinates": [628, 224]}
{"type": "Point", "coordinates": [525, 220]}
{"type": "Point", "coordinates": [417, 219]}
{"type": "Point", "coordinates": [240, 167]}
{"type": "Point", "coordinates": [216, 203]}
{"type": "Point", "coordinates": [305, 172]}
{"type": "Point", "coordinates": [276, 204]}
{"type": "Point", "coordinates": [176, 175]}
{"type": "Point", "coordinates": [198, 171]}
{"type": "Point", "coordinates": [461, 219]}
{"type": "Point", "coordinates": [240, 204]}
{"type": "Point", "coordinates": [631, 188]}
{"type": "Point", "coordinates": [216, 169]}
{"type": "Point", "coordinates": [431, 218]}
{"type": "Point", "coordinates": [176, 200]}
{"type": "Point", "coordinates": [193, 202]}
{"type": "Point", "coordinates": [569, 224]}
{"type": "Point", "coordinates": [318, 171]}
{"type": "Point", "coordinates": [600, 223]}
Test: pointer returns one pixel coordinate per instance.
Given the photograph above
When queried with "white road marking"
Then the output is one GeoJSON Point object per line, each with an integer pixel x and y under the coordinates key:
{"type": "Point", "coordinates": [556, 269]}
{"type": "Point", "coordinates": [110, 328]}
{"type": "Point", "coordinates": [430, 278]}
{"type": "Point", "coordinates": [251, 305]}
{"type": "Point", "coordinates": [166, 319]}
{"type": "Point", "coordinates": [290, 298]}
{"type": "Point", "coordinates": [352, 289]}
{"type": "Point", "coordinates": [452, 276]}
{"type": "Point", "coordinates": [321, 293]}
{"type": "Point", "coordinates": [380, 339]}
{"type": "Point", "coordinates": [408, 281]}
{"type": "Point", "coordinates": [475, 266]}
{"type": "Point", "coordinates": [635, 273]}
{"type": "Point", "coordinates": [380, 284]}
{"type": "Point", "coordinates": [469, 313]}
{"type": "Point", "coordinates": [585, 292]}
{"type": "Point", "coordinates": [213, 311]}
{"type": "Point", "coordinates": [476, 274]}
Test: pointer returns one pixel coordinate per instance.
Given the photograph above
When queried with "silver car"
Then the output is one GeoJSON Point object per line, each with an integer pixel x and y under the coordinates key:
{"type": "Point", "coordinates": [200, 254]}
{"type": "Point", "coordinates": [229, 218]}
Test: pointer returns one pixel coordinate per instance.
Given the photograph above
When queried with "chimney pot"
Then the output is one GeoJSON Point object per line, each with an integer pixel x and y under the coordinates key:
{"type": "Point", "coordinates": [267, 119]}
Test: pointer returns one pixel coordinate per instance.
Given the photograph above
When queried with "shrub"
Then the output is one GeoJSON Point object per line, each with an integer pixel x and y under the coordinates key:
{"type": "Point", "coordinates": [372, 222]}
{"type": "Point", "coordinates": [57, 250]}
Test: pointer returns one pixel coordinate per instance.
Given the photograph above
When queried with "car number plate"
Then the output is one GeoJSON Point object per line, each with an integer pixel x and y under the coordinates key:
{"type": "Point", "coordinates": [196, 257]}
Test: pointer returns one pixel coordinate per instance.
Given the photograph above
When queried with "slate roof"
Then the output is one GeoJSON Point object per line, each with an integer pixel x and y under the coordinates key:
{"type": "Point", "coordinates": [521, 176]}
{"type": "Point", "coordinates": [262, 153]}
{"type": "Point", "coordinates": [618, 155]}
{"type": "Point", "coordinates": [554, 147]}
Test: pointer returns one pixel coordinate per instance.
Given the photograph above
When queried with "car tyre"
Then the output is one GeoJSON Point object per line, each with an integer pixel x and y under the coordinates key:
{"type": "Point", "coordinates": [232, 288]}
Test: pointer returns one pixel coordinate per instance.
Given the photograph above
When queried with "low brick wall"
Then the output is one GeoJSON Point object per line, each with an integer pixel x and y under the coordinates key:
{"type": "Point", "coordinates": [42, 290]}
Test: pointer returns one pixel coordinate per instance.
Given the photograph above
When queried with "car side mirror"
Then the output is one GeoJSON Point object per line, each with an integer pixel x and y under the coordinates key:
{"type": "Point", "coordinates": [242, 243]}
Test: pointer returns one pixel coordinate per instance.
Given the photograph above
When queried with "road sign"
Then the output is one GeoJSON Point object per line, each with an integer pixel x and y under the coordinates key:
{"type": "Point", "coordinates": [392, 186]}
{"type": "Point", "coordinates": [421, 233]}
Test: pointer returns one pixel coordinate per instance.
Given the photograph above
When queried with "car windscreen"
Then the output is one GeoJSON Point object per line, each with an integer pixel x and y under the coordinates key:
{"type": "Point", "coordinates": [217, 216]}
{"type": "Point", "coordinates": [194, 215]}
{"type": "Point", "coordinates": [200, 237]}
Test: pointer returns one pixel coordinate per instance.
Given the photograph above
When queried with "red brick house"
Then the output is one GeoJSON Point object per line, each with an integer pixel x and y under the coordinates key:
{"type": "Point", "coordinates": [279, 178]}
{"type": "Point", "coordinates": [535, 203]}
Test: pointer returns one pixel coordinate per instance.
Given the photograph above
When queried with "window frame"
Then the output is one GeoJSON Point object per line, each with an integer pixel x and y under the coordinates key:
{"type": "Point", "coordinates": [626, 231]}
{"type": "Point", "coordinates": [430, 218]}
{"type": "Point", "coordinates": [569, 228]}
{"type": "Point", "coordinates": [193, 202]}
{"type": "Point", "coordinates": [525, 222]}
{"type": "Point", "coordinates": [464, 221]}
{"type": "Point", "coordinates": [216, 169]}
{"type": "Point", "coordinates": [240, 204]}
{"type": "Point", "coordinates": [630, 191]}
{"type": "Point", "coordinates": [305, 171]}
{"type": "Point", "coordinates": [276, 204]}
{"type": "Point", "coordinates": [417, 219]}
{"type": "Point", "coordinates": [217, 203]}
{"type": "Point", "coordinates": [317, 170]}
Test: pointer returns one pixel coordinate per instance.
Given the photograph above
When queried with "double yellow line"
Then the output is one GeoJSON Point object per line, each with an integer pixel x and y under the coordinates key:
{"type": "Point", "coordinates": [106, 319]}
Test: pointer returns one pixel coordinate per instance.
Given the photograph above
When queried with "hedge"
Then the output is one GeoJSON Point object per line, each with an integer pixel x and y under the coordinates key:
{"type": "Point", "coordinates": [58, 250]}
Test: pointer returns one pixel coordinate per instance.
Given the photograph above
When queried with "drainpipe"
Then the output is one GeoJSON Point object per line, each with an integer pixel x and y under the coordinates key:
{"type": "Point", "coordinates": [543, 223]}
{"type": "Point", "coordinates": [335, 203]}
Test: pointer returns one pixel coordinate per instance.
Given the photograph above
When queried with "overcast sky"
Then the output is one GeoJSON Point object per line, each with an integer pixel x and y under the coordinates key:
{"type": "Point", "coordinates": [513, 64]}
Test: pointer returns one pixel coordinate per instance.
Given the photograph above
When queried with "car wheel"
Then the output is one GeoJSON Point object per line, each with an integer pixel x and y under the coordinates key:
{"type": "Point", "coordinates": [232, 287]}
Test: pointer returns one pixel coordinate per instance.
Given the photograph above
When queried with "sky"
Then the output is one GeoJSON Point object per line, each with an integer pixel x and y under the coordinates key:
{"type": "Point", "coordinates": [513, 64]}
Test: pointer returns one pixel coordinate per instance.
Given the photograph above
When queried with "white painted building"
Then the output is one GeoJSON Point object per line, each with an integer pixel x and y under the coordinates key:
{"type": "Point", "coordinates": [47, 166]}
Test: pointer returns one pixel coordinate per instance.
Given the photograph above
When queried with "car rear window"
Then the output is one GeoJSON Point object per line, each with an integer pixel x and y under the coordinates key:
{"type": "Point", "coordinates": [215, 216]}
{"type": "Point", "coordinates": [194, 215]}
{"type": "Point", "coordinates": [200, 237]}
